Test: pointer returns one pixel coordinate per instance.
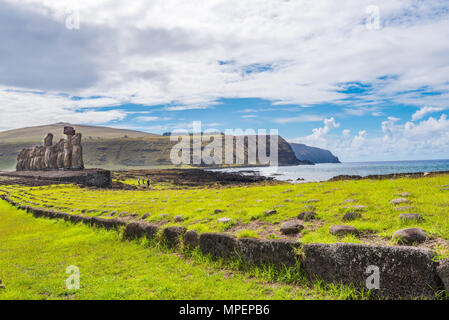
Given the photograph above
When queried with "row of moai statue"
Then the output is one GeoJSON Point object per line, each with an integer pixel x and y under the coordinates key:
{"type": "Point", "coordinates": [67, 154]}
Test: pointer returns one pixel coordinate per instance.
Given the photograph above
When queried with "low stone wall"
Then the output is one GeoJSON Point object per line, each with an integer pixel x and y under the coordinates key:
{"type": "Point", "coordinates": [390, 272]}
{"type": "Point", "coordinates": [90, 177]}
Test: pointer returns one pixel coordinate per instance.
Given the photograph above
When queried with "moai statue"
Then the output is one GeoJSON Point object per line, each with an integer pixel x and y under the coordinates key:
{"type": "Point", "coordinates": [60, 157]}
{"type": "Point", "coordinates": [48, 145]}
{"type": "Point", "coordinates": [53, 162]}
{"type": "Point", "coordinates": [28, 159]}
{"type": "Point", "coordinates": [21, 160]}
{"type": "Point", "coordinates": [69, 132]}
{"type": "Point", "coordinates": [41, 159]}
{"type": "Point", "coordinates": [34, 158]}
{"type": "Point", "coordinates": [67, 152]}
{"type": "Point", "coordinates": [77, 153]}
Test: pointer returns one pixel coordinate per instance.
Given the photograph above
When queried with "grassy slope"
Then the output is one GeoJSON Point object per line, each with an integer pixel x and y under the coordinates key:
{"type": "Point", "coordinates": [246, 206]}
{"type": "Point", "coordinates": [34, 254]}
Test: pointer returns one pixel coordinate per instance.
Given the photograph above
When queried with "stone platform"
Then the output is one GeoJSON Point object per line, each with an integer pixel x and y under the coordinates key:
{"type": "Point", "coordinates": [89, 177]}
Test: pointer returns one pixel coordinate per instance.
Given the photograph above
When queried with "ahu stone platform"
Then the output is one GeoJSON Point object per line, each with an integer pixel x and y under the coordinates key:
{"type": "Point", "coordinates": [89, 177]}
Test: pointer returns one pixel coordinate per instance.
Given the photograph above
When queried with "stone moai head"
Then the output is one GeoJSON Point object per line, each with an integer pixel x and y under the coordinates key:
{"type": "Point", "coordinates": [48, 141]}
{"type": "Point", "coordinates": [69, 131]}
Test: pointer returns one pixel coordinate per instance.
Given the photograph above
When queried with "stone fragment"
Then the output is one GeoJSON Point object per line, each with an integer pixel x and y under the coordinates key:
{"type": "Point", "coordinates": [349, 216]}
{"type": "Point", "coordinates": [339, 230]}
{"type": "Point", "coordinates": [291, 227]}
{"type": "Point", "coordinates": [410, 236]}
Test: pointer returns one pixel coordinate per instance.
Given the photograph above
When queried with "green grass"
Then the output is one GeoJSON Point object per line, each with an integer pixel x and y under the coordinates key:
{"type": "Point", "coordinates": [246, 206]}
{"type": "Point", "coordinates": [34, 255]}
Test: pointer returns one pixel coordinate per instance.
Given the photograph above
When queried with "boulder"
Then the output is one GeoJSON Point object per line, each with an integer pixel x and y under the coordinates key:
{"type": "Point", "coordinates": [140, 229]}
{"type": "Point", "coordinates": [349, 216]}
{"type": "Point", "coordinates": [343, 230]}
{"type": "Point", "coordinates": [191, 239]}
{"type": "Point", "coordinates": [218, 245]}
{"type": "Point", "coordinates": [217, 211]}
{"type": "Point", "coordinates": [399, 201]}
{"type": "Point", "coordinates": [404, 272]}
{"type": "Point", "coordinates": [307, 215]}
{"type": "Point", "coordinates": [107, 223]}
{"type": "Point", "coordinates": [291, 227]}
{"type": "Point", "coordinates": [276, 252]}
{"type": "Point", "coordinates": [171, 236]}
{"type": "Point", "coordinates": [410, 236]}
{"type": "Point", "coordinates": [443, 272]}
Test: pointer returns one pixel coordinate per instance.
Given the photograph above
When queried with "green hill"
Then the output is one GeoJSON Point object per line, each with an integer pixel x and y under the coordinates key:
{"type": "Point", "coordinates": [108, 148]}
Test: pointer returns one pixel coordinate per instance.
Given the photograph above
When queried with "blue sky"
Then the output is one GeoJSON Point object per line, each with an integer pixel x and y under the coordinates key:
{"type": "Point", "coordinates": [368, 80]}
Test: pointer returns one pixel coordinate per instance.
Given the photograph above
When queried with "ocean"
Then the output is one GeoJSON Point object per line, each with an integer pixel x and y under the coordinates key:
{"type": "Point", "coordinates": [326, 171]}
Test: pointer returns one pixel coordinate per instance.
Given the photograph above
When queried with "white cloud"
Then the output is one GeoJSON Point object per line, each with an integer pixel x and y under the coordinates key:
{"type": "Point", "coordinates": [427, 139]}
{"type": "Point", "coordinates": [195, 52]}
{"type": "Point", "coordinates": [299, 119]}
{"type": "Point", "coordinates": [421, 113]}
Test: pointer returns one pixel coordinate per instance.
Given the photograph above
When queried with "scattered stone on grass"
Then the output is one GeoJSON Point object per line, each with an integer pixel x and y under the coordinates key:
{"type": "Point", "coordinates": [403, 194]}
{"type": "Point", "coordinates": [410, 217]}
{"type": "Point", "coordinates": [217, 211]}
{"type": "Point", "coordinates": [146, 215]}
{"type": "Point", "coordinates": [164, 216]}
{"type": "Point", "coordinates": [179, 218]}
{"type": "Point", "coordinates": [339, 230]}
{"type": "Point", "coordinates": [351, 201]}
{"type": "Point", "coordinates": [404, 208]}
{"type": "Point", "coordinates": [410, 236]}
{"type": "Point", "coordinates": [291, 227]}
{"type": "Point", "coordinates": [312, 200]}
{"type": "Point", "coordinates": [270, 212]}
{"type": "Point", "coordinates": [349, 216]}
{"type": "Point", "coordinates": [288, 200]}
{"type": "Point", "coordinates": [224, 220]}
{"type": "Point", "coordinates": [307, 215]}
{"type": "Point", "coordinates": [399, 201]}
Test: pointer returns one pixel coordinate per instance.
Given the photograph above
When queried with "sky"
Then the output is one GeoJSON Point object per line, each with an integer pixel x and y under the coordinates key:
{"type": "Point", "coordinates": [368, 80]}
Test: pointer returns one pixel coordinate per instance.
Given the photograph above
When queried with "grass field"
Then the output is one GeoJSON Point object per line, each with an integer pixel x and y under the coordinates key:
{"type": "Point", "coordinates": [202, 207]}
{"type": "Point", "coordinates": [34, 255]}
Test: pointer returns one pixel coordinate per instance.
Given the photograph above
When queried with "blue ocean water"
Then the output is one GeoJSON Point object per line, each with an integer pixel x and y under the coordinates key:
{"type": "Point", "coordinates": [326, 171]}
